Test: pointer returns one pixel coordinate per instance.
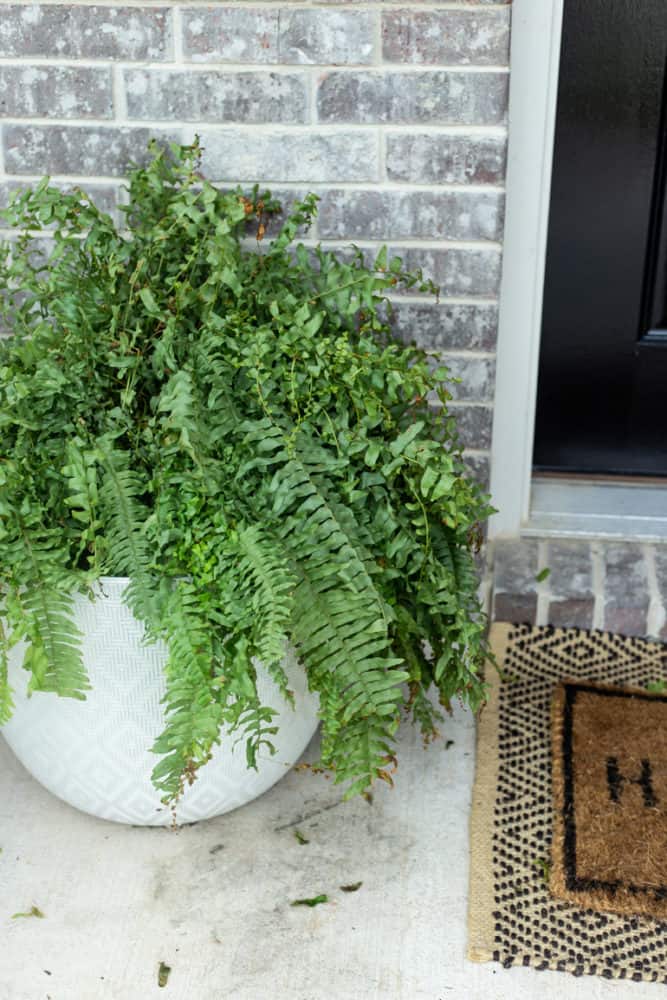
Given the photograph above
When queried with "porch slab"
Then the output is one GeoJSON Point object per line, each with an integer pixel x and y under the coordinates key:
{"type": "Point", "coordinates": [212, 901]}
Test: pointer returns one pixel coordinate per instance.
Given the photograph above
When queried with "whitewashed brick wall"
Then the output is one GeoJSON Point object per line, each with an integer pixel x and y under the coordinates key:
{"type": "Point", "coordinates": [394, 112]}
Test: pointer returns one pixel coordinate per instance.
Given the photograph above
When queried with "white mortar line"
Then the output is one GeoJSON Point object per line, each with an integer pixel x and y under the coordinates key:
{"type": "Point", "coordinates": [177, 33]}
{"type": "Point", "coordinates": [655, 618]}
{"type": "Point", "coordinates": [454, 130]}
{"type": "Point", "coordinates": [118, 93]}
{"type": "Point", "coordinates": [317, 187]}
{"type": "Point", "coordinates": [220, 66]}
{"type": "Point", "coordinates": [597, 560]}
{"type": "Point", "coordinates": [451, 300]}
{"type": "Point", "coordinates": [311, 97]}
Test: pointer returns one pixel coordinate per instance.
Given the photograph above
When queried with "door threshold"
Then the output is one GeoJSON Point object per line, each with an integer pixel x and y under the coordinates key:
{"type": "Point", "coordinates": [633, 510]}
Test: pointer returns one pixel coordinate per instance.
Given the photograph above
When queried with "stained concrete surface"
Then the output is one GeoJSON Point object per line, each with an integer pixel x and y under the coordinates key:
{"type": "Point", "coordinates": [212, 901]}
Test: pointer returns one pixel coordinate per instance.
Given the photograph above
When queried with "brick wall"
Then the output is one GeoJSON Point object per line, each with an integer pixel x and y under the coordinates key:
{"type": "Point", "coordinates": [395, 113]}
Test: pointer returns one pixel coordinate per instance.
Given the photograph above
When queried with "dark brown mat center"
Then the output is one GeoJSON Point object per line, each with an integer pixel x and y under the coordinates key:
{"type": "Point", "coordinates": [610, 793]}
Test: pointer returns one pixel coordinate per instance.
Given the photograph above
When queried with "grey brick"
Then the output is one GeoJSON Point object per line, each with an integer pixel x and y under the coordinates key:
{"type": "Point", "coordinates": [518, 608]}
{"type": "Point", "coordinates": [429, 96]}
{"type": "Point", "coordinates": [429, 158]}
{"type": "Point", "coordinates": [231, 34]}
{"type": "Point", "coordinates": [451, 215]}
{"type": "Point", "coordinates": [75, 149]}
{"type": "Point", "coordinates": [439, 327]}
{"type": "Point", "coordinates": [327, 38]}
{"type": "Point", "coordinates": [465, 273]}
{"type": "Point", "coordinates": [626, 577]}
{"type": "Point", "coordinates": [660, 555]}
{"type": "Point", "coordinates": [73, 31]}
{"type": "Point", "coordinates": [474, 425]}
{"type": "Point", "coordinates": [251, 98]}
{"type": "Point", "coordinates": [515, 565]}
{"type": "Point", "coordinates": [478, 467]}
{"type": "Point", "coordinates": [446, 37]}
{"type": "Point", "coordinates": [278, 35]}
{"type": "Point", "coordinates": [625, 589]}
{"type": "Point", "coordinates": [571, 613]}
{"type": "Point", "coordinates": [299, 156]}
{"type": "Point", "coordinates": [31, 91]}
{"type": "Point", "coordinates": [571, 568]}
{"type": "Point", "coordinates": [626, 621]}
{"type": "Point", "coordinates": [477, 377]}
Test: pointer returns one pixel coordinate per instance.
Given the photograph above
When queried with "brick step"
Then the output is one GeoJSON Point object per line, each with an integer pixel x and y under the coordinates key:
{"type": "Point", "coordinates": [616, 586]}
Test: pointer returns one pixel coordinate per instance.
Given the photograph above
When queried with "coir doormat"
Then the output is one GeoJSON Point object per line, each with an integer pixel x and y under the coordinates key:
{"type": "Point", "coordinates": [514, 917]}
{"type": "Point", "coordinates": [609, 774]}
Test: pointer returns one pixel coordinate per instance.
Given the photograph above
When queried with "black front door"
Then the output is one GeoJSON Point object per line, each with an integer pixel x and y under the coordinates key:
{"type": "Point", "coordinates": [602, 389]}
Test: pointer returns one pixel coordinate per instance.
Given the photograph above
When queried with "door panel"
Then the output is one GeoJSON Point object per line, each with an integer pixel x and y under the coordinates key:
{"type": "Point", "coordinates": [603, 357]}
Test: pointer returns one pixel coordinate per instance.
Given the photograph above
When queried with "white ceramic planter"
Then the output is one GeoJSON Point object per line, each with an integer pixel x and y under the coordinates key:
{"type": "Point", "coordinates": [95, 754]}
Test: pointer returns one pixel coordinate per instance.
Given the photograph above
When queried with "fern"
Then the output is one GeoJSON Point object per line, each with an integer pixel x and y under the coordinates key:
{"type": "Point", "coordinates": [128, 551]}
{"type": "Point", "coordinates": [268, 587]}
{"type": "Point", "coordinates": [241, 436]}
{"type": "Point", "coordinates": [53, 657]}
{"type": "Point", "coordinates": [194, 703]}
{"type": "Point", "coordinates": [6, 693]}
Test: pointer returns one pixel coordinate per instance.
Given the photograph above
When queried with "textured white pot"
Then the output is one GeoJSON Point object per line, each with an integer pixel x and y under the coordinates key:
{"type": "Point", "coordinates": [95, 754]}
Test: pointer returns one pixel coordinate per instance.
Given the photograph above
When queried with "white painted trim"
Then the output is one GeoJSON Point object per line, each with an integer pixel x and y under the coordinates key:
{"type": "Point", "coordinates": [534, 62]}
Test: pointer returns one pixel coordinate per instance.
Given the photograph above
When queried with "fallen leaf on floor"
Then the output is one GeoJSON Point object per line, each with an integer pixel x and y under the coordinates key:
{"type": "Point", "coordinates": [300, 837]}
{"type": "Point", "coordinates": [163, 974]}
{"type": "Point", "coordinates": [34, 911]}
{"type": "Point", "coordinates": [545, 869]}
{"type": "Point", "coordinates": [542, 575]}
{"type": "Point", "coordinates": [315, 901]}
{"type": "Point", "coordinates": [352, 887]}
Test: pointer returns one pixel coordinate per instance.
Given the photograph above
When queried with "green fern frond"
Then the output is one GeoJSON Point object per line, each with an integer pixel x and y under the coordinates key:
{"type": "Point", "coordinates": [177, 401]}
{"type": "Point", "coordinates": [268, 585]}
{"type": "Point", "coordinates": [53, 657]}
{"type": "Point", "coordinates": [124, 516]}
{"type": "Point", "coordinates": [339, 624]}
{"type": "Point", "coordinates": [6, 694]}
{"type": "Point", "coordinates": [193, 705]}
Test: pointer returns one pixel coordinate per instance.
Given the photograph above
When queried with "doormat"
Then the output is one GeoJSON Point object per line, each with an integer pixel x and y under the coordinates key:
{"type": "Point", "coordinates": [609, 773]}
{"type": "Point", "coordinates": [514, 918]}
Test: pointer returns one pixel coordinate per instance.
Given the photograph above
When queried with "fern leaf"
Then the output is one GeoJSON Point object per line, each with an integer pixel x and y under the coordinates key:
{"type": "Point", "coordinates": [269, 585]}
{"type": "Point", "coordinates": [125, 516]}
{"type": "Point", "coordinates": [193, 706]}
{"type": "Point", "coordinates": [53, 657]}
{"type": "Point", "coordinates": [339, 625]}
{"type": "Point", "coordinates": [6, 694]}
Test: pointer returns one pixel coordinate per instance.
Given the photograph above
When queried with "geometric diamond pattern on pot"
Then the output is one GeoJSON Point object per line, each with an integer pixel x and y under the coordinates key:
{"type": "Point", "coordinates": [95, 754]}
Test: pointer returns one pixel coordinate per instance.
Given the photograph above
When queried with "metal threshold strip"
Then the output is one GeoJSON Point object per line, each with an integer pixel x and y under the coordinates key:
{"type": "Point", "coordinates": [594, 508]}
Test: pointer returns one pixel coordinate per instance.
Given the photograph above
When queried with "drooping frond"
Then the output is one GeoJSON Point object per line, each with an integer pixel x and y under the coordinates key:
{"type": "Point", "coordinates": [128, 553]}
{"type": "Point", "coordinates": [193, 702]}
{"type": "Point", "coordinates": [267, 584]}
{"type": "Point", "coordinates": [339, 620]}
{"type": "Point", "coordinates": [6, 694]}
{"type": "Point", "coordinates": [53, 657]}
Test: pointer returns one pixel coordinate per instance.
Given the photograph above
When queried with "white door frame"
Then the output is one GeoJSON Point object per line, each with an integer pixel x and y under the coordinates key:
{"type": "Point", "coordinates": [534, 62]}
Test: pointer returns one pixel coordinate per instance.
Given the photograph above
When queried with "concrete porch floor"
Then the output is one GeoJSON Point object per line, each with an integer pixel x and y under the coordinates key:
{"type": "Point", "coordinates": [212, 901]}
